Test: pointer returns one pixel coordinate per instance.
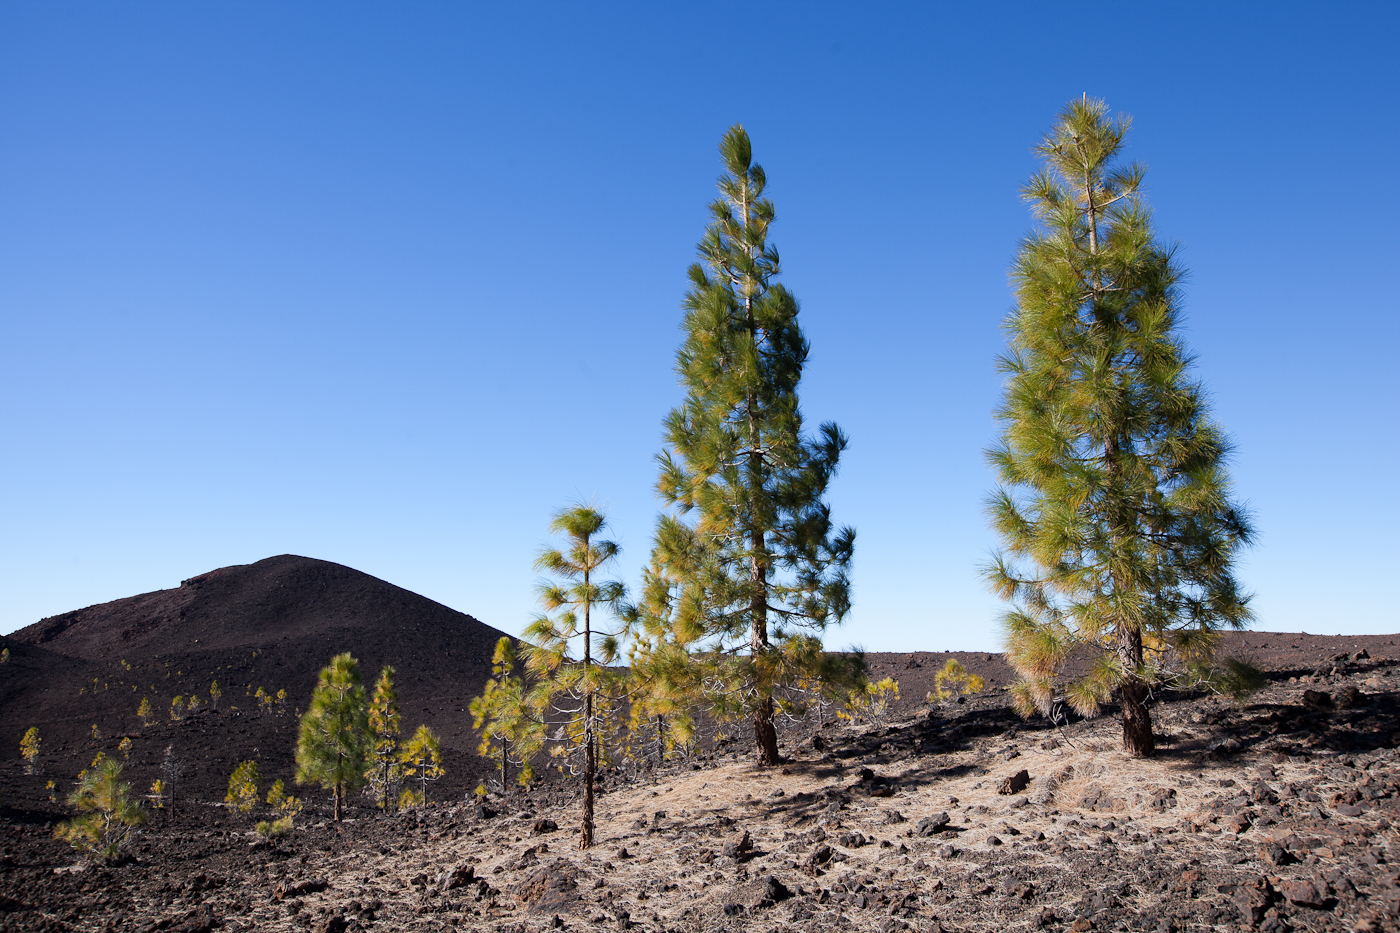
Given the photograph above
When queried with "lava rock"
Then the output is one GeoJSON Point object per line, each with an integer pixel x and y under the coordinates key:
{"type": "Point", "coordinates": [1014, 784]}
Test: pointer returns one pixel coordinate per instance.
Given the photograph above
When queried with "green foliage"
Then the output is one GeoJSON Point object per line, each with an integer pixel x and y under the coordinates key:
{"type": "Point", "coordinates": [421, 759]}
{"type": "Point", "coordinates": [271, 830]}
{"type": "Point", "coordinates": [873, 704]}
{"type": "Point", "coordinates": [214, 695]}
{"type": "Point", "coordinates": [333, 738]}
{"type": "Point", "coordinates": [954, 681]}
{"type": "Point", "coordinates": [29, 750]}
{"type": "Point", "coordinates": [278, 797]}
{"type": "Point", "coordinates": [571, 652]}
{"type": "Point", "coordinates": [244, 787]}
{"type": "Point", "coordinates": [177, 708]}
{"type": "Point", "coordinates": [107, 816]}
{"type": "Point", "coordinates": [749, 569]}
{"type": "Point", "coordinates": [1115, 502]}
{"type": "Point", "coordinates": [384, 774]}
{"type": "Point", "coordinates": [511, 728]}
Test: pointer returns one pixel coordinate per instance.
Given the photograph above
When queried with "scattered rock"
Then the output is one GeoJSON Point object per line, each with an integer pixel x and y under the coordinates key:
{"type": "Point", "coordinates": [549, 889]}
{"type": "Point", "coordinates": [1348, 697]}
{"type": "Point", "coordinates": [1014, 784]}
{"type": "Point", "coordinates": [544, 826]}
{"type": "Point", "coordinates": [768, 891]}
{"type": "Point", "coordinates": [738, 848]}
{"type": "Point", "coordinates": [1253, 898]}
{"type": "Point", "coordinates": [932, 824]}
{"type": "Point", "coordinates": [1304, 892]}
{"type": "Point", "coordinates": [1317, 699]}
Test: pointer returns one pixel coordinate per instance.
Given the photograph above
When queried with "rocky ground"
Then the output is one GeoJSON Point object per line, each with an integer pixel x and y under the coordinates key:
{"type": "Point", "coordinates": [1276, 814]}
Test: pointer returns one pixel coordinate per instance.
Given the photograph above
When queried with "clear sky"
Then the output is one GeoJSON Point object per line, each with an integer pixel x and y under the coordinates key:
{"type": "Point", "coordinates": [388, 284]}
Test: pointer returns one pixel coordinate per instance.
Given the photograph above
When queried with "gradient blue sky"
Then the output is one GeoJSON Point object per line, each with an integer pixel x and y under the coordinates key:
{"type": "Point", "coordinates": [388, 284]}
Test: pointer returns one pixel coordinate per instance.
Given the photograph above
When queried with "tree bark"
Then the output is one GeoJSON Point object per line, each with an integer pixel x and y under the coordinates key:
{"type": "Point", "coordinates": [339, 791]}
{"type": "Point", "coordinates": [765, 734]}
{"type": "Point", "coordinates": [1137, 721]}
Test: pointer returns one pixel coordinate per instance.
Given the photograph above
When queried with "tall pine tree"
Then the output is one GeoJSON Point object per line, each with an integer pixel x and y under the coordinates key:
{"type": "Point", "coordinates": [749, 568]}
{"type": "Point", "coordinates": [1115, 503]}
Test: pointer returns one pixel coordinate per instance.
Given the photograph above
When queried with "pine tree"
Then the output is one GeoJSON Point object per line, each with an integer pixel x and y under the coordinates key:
{"type": "Point", "coordinates": [1115, 502]}
{"type": "Point", "coordinates": [107, 816]}
{"type": "Point", "coordinates": [511, 729]}
{"type": "Point", "coordinates": [334, 733]}
{"type": "Point", "coordinates": [421, 759]}
{"type": "Point", "coordinates": [384, 772]}
{"type": "Point", "coordinates": [746, 584]}
{"type": "Point", "coordinates": [577, 690]}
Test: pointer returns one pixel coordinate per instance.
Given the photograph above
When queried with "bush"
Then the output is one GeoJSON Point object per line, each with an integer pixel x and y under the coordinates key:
{"type": "Point", "coordinates": [29, 750]}
{"type": "Point", "coordinates": [275, 828]}
{"type": "Point", "coordinates": [244, 787]}
{"type": "Point", "coordinates": [107, 816]}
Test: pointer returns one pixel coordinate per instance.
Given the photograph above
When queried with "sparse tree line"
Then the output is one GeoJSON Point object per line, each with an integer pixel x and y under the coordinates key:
{"type": "Point", "coordinates": [1114, 508]}
{"type": "Point", "coordinates": [346, 741]}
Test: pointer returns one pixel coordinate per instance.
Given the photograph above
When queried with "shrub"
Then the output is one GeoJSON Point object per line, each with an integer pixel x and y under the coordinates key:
{"type": "Point", "coordinates": [278, 797]}
{"type": "Point", "coordinates": [276, 828]}
{"type": "Point", "coordinates": [29, 750]}
{"type": "Point", "coordinates": [873, 702]}
{"type": "Point", "coordinates": [107, 816]}
{"type": "Point", "coordinates": [954, 681]}
{"type": "Point", "coordinates": [244, 787]}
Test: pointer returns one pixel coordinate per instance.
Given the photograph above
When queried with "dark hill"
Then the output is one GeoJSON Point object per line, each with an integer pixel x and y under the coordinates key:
{"type": "Point", "coordinates": [251, 605]}
{"type": "Point", "coordinates": [273, 624]}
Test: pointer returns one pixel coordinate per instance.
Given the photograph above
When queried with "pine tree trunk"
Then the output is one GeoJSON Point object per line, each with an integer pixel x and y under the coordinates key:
{"type": "Point", "coordinates": [1137, 721]}
{"type": "Point", "coordinates": [590, 766]}
{"type": "Point", "coordinates": [590, 757]}
{"type": "Point", "coordinates": [765, 734]}
{"type": "Point", "coordinates": [338, 793]}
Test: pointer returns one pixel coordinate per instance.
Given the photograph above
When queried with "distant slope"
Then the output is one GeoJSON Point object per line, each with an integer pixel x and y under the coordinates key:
{"type": "Point", "coordinates": [250, 605]}
{"type": "Point", "coordinates": [272, 624]}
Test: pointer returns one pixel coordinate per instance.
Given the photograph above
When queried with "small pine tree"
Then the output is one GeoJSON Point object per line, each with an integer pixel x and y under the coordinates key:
{"type": "Point", "coordinates": [144, 712]}
{"type": "Point", "coordinates": [1115, 502]}
{"type": "Point", "coordinates": [955, 681]}
{"type": "Point", "coordinates": [577, 689]}
{"type": "Point", "coordinates": [215, 694]}
{"type": "Point", "coordinates": [172, 771]}
{"type": "Point", "coordinates": [872, 704]}
{"type": "Point", "coordinates": [511, 728]}
{"type": "Point", "coordinates": [333, 737]}
{"type": "Point", "coordinates": [29, 750]}
{"type": "Point", "coordinates": [421, 759]}
{"type": "Point", "coordinates": [107, 816]}
{"type": "Point", "coordinates": [384, 773]}
{"type": "Point", "coordinates": [278, 798]}
{"type": "Point", "coordinates": [244, 787]}
{"type": "Point", "coordinates": [177, 708]}
{"type": "Point", "coordinates": [124, 746]}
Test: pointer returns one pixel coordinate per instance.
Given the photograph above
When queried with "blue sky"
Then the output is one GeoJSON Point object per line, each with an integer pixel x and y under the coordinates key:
{"type": "Point", "coordinates": [389, 284]}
